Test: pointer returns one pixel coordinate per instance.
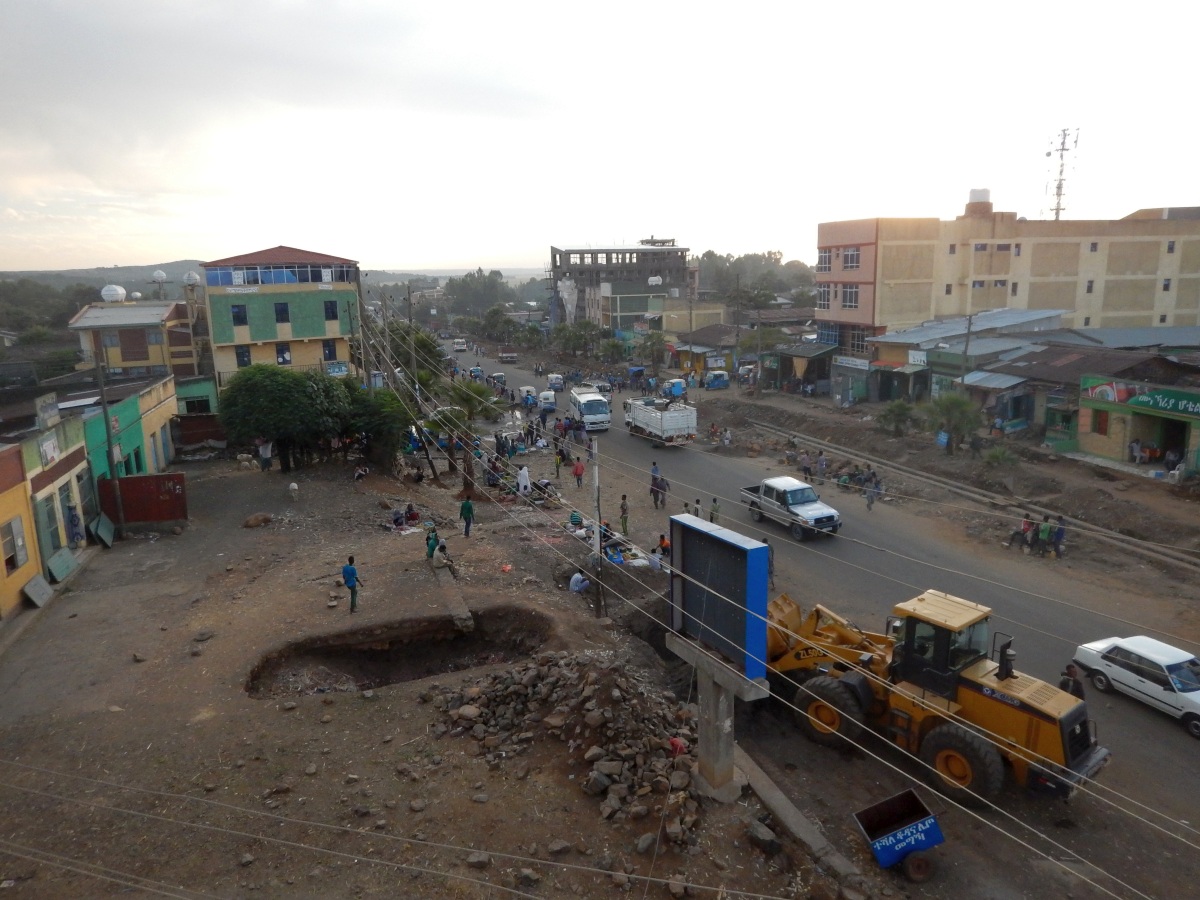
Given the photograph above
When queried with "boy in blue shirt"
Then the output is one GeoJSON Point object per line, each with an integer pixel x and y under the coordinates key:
{"type": "Point", "coordinates": [352, 581]}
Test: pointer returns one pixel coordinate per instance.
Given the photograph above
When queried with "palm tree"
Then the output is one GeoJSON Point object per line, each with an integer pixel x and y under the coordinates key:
{"type": "Point", "coordinates": [654, 348]}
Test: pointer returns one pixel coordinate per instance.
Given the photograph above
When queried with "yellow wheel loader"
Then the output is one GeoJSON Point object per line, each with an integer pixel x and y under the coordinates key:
{"type": "Point", "coordinates": [938, 685]}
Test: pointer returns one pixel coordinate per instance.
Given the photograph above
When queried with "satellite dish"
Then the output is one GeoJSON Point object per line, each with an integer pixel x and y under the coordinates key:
{"type": "Point", "coordinates": [191, 279]}
{"type": "Point", "coordinates": [112, 293]}
{"type": "Point", "coordinates": [159, 277]}
{"type": "Point", "coordinates": [135, 296]}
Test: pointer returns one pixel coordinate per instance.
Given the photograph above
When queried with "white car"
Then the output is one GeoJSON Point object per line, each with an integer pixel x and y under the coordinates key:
{"type": "Point", "coordinates": [1158, 674]}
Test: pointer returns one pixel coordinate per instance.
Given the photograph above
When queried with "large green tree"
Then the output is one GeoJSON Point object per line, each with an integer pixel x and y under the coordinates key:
{"type": "Point", "coordinates": [956, 414]}
{"type": "Point", "coordinates": [263, 401]}
{"type": "Point", "coordinates": [475, 293]}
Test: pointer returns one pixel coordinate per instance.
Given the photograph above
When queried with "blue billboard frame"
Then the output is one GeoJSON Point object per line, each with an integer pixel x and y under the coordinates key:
{"type": "Point", "coordinates": [718, 591]}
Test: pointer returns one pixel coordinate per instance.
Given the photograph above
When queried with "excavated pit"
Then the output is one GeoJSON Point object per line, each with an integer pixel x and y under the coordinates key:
{"type": "Point", "coordinates": [404, 651]}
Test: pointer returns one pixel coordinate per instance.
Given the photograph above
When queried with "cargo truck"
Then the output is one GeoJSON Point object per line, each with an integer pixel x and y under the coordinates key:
{"type": "Point", "coordinates": [666, 422]}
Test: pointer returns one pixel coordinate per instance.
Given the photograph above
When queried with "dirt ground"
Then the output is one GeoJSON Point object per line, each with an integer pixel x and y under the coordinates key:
{"type": "Point", "coordinates": [194, 715]}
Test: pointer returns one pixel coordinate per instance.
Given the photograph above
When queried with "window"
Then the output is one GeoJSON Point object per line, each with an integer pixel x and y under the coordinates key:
{"type": "Point", "coordinates": [283, 354]}
{"type": "Point", "coordinates": [1004, 248]}
{"type": "Point", "coordinates": [949, 289]}
{"type": "Point", "coordinates": [1090, 285]}
{"type": "Point", "coordinates": [1162, 320]}
{"type": "Point", "coordinates": [574, 259]}
{"type": "Point", "coordinates": [981, 248]}
{"type": "Point", "coordinates": [1100, 421]}
{"type": "Point", "coordinates": [850, 258]}
{"type": "Point", "coordinates": [1093, 247]}
{"type": "Point", "coordinates": [282, 314]}
{"type": "Point", "coordinates": [331, 310]}
{"type": "Point", "coordinates": [1016, 249]}
{"type": "Point", "coordinates": [238, 312]}
{"type": "Point", "coordinates": [242, 353]}
{"type": "Point", "coordinates": [154, 336]}
{"type": "Point", "coordinates": [110, 339]}
{"type": "Point", "coordinates": [1013, 289]}
{"type": "Point", "coordinates": [822, 296]}
{"type": "Point", "coordinates": [1170, 246]}
{"type": "Point", "coordinates": [1166, 285]}
{"type": "Point", "coordinates": [824, 260]}
{"type": "Point", "coordinates": [197, 405]}
{"type": "Point", "coordinates": [15, 552]}
{"type": "Point", "coordinates": [587, 259]}
{"type": "Point", "coordinates": [1000, 282]}
{"type": "Point", "coordinates": [953, 249]}
{"type": "Point", "coordinates": [1087, 320]}
{"type": "Point", "coordinates": [850, 296]}
{"type": "Point", "coordinates": [329, 350]}
{"type": "Point", "coordinates": [978, 284]}
{"type": "Point", "coordinates": [858, 341]}
{"type": "Point", "coordinates": [602, 259]}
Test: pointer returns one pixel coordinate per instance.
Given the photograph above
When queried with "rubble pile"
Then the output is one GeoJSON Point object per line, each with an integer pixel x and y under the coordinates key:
{"type": "Point", "coordinates": [635, 739]}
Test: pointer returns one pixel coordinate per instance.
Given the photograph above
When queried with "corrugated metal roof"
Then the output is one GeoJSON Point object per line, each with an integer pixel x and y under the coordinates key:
{"type": "Point", "coordinates": [932, 332]}
{"type": "Point", "coordinates": [1066, 364]}
{"type": "Point", "coordinates": [1173, 336]}
{"type": "Point", "coordinates": [121, 315]}
{"type": "Point", "coordinates": [278, 256]}
{"type": "Point", "coordinates": [992, 380]}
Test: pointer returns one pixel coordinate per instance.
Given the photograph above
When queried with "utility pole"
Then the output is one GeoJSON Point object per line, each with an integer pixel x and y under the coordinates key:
{"type": "Point", "coordinates": [1062, 150]}
{"type": "Point", "coordinates": [596, 549]}
{"type": "Point", "coordinates": [361, 334]}
{"type": "Point", "coordinates": [966, 351]}
{"type": "Point", "coordinates": [737, 319]}
{"type": "Point", "coordinates": [412, 349]}
{"type": "Point", "coordinates": [113, 472]}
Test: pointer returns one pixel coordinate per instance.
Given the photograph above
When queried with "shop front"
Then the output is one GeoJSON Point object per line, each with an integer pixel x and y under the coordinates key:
{"type": "Point", "coordinates": [849, 376]}
{"type": "Point", "coordinates": [1140, 423]}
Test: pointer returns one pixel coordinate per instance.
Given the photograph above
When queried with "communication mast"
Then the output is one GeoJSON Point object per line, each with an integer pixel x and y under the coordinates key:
{"type": "Point", "coordinates": [1064, 137]}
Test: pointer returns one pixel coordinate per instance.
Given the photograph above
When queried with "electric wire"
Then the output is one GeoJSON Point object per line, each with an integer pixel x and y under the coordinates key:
{"type": "Point", "coordinates": [1091, 787]}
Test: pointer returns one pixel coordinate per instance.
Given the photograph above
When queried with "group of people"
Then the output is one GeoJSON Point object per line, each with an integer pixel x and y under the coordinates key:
{"type": "Point", "coordinates": [1039, 538]}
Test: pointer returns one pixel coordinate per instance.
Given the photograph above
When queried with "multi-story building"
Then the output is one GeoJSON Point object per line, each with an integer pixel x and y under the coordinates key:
{"type": "Point", "coordinates": [877, 275]}
{"type": "Point", "coordinates": [137, 339]}
{"type": "Point", "coordinates": [283, 307]}
{"type": "Point", "coordinates": [616, 287]}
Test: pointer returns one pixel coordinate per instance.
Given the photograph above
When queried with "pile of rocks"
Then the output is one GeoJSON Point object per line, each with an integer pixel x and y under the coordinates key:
{"type": "Point", "coordinates": [635, 739]}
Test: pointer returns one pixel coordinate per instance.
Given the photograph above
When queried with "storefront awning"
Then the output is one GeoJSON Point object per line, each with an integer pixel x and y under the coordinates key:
{"type": "Point", "coordinates": [993, 381]}
{"type": "Point", "coordinates": [809, 351]}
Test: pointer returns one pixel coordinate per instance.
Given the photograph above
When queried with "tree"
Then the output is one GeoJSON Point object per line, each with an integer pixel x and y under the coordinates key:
{"type": "Point", "coordinates": [611, 350]}
{"type": "Point", "coordinates": [328, 410]}
{"type": "Point", "coordinates": [404, 342]}
{"type": "Point", "coordinates": [587, 333]}
{"type": "Point", "coordinates": [475, 293]}
{"type": "Point", "coordinates": [957, 415]}
{"type": "Point", "coordinates": [654, 348]}
{"type": "Point", "coordinates": [530, 338]}
{"type": "Point", "coordinates": [764, 337]}
{"type": "Point", "coordinates": [896, 417]}
{"type": "Point", "coordinates": [498, 325]}
{"type": "Point", "coordinates": [263, 401]}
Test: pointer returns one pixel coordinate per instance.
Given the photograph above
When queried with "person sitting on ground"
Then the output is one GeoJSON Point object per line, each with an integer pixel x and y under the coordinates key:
{"type": "Point", "coordinates": [361, 472]}
{"type": "Point", "coordinates": [664, 547]}
{"type": "Point", "coordinates": [579, 583]}
{"type": "Point", "coordinates": [411, 514]}
{"type": "Point", "coordinates": [397, 518]}
{"type": "Point", "coordinates": [1020, 536]}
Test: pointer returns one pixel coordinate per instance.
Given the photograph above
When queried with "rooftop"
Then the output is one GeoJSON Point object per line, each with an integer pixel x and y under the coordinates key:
{"type": "Point", "coordinates": [1069, 364]}
{"type": "Point", "coordinates": [277, 256]}
{"type": "Point", "coordinates": [930, 333]}
{"type": "Point", "coordinates": [123, 315]}
{"type": "Point", "coordinates": [1168, 336]}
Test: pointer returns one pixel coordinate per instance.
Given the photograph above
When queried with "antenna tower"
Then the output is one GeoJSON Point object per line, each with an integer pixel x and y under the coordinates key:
{"type": "Point", "coordinates": [1062, 150]}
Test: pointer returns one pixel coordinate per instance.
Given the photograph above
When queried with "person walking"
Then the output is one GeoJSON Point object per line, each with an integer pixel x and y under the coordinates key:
{"type": "Point", "coordinates": [873, 489]}
{"type": "Point", "coordinates": [431, 543]}
{"type": "Point", "coordinates": [806, 465]}
{"type": "Point", "coordinates": [822, 466]}
{"type": "Point", "coordinates": [557, 466]}
{"type": "Point", "coordinates": [352, 581]}
{"type": "Point", "coordinates": [653, 470]}
{"type": "Point", "coordinates": [770, 564]}
{"type": "Point", "coordinates": [466, 512]}
{"type": "Point", "coordinates": [625, 515]}
{"type": "Point", "coordinates": [1071, 682]}
{"type": "Point", "coordinates": [577, 470]}
{"type": "Point", "coordinates": [591, 450]}
{"type": "Point", "coordinates": [714, 512]}
{"type": "Point", "coordinates": [265, 451]}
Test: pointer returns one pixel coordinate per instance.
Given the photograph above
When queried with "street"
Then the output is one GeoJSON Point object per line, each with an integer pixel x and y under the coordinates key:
{"type": "Point", "coordinates": [897, 551]}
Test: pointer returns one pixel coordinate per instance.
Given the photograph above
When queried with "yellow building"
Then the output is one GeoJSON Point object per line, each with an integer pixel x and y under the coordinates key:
{"type": "Point", "coordinates": [283, 307]}
{"type": "Point", "coordinates": [21, 559]}
{"type": "Point", "coordinates": [136, 339]}
{"type": "Point", "coordinates": [157, 406]}
{"type": "Point", "coordinates": [877, 275]}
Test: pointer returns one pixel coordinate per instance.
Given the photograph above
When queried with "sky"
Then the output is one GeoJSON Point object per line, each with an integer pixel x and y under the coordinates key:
{"type": "Point", "coordinates": [453, 135]}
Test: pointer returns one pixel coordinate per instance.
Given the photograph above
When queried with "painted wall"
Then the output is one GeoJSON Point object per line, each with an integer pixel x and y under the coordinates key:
{"type": "Point", "coordinates": [126, 419]}
{"type": "Point", "coordinates": [156, 407]}
{"type": "Point", "coordinates": [306, 310]}
{"type": "Point", "coordinates": [55, 461]}
{"type": "Point", "coordinates": [20, 550]}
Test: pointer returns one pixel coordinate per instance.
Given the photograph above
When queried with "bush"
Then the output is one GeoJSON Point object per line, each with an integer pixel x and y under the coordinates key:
{"type": "Point", "coordinates": [896, 417]}
{"type": "Point", "coordinates": [38, 334]}
{"type": "Point", "coordinates": [1000, 457]}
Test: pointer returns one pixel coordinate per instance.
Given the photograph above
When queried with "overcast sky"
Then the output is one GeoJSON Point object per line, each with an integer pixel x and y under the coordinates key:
{"type": "Point", "coordinates": [456, 134]}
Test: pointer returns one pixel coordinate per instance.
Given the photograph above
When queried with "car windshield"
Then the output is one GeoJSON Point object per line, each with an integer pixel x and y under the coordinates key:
{"type": "Point", "coordinates": [968, 645]}
{"type": "Point", "coordinates": [800, 496]}
{"type": "Point", "coordinates": [594, 407]}
{"type": "Point", "coordinates": [1185, 675]}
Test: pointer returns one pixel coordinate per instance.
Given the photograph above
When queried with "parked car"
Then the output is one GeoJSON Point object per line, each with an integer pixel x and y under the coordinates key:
{"type": "Point", "coordinates": [1155, 673]}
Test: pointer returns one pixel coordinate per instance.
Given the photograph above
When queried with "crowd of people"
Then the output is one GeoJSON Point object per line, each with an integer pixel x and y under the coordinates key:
{"type": "Point", "coordinates": [1039, 538]}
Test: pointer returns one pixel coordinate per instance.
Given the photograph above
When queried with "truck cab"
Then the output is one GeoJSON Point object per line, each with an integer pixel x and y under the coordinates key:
{"type": "Point", "coordinates": [793, 503]}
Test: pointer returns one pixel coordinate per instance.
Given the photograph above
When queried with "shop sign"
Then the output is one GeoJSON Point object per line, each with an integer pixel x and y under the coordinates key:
{"type": "Point", "coordinates": [770, 360]}
{"type": "Point", "coordinates": [851, 362]}
{"type": "Point", "coordinates": [715, 362]}
{"type": "Point", "coordinates": [917, 358]}
{"type": "Point", "coordinates": [1144, 396]}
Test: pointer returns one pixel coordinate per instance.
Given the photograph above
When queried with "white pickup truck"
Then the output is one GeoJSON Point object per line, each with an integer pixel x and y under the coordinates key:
{"type": "Point", "coordinates": [793, 503]}
{"type": "Point", "coordinates": [664, 422]}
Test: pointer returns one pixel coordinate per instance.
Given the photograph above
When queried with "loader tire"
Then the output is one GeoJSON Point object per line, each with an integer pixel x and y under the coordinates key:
{"type": "Point", "coordinates": [828, 712]}
{"type": "Point", "coordinates": [964, 766]}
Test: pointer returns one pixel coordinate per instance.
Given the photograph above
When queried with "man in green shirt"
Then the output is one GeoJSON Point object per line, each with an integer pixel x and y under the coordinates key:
{"type": "Point", "coordinates": [466, 512]}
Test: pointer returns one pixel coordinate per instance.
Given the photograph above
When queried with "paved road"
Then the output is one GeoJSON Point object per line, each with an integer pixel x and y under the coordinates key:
{"type": "Point", "coordinates": [890, 555]}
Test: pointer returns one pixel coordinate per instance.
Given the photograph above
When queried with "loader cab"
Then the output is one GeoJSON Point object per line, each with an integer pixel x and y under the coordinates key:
{"type": "Point", "coordinates": [937, 637]}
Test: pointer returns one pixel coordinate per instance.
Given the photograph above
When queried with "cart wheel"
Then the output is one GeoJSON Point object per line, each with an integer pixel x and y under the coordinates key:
{"type": "Point", "coordinates": [917, 866]}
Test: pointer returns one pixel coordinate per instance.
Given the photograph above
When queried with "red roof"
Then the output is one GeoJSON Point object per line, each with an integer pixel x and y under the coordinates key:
{"type": "Point", "coordinates": [278, 256]}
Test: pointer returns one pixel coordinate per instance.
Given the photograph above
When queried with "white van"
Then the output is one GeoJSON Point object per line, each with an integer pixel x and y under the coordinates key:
{"type": "Point", "coordinates": [460, 345]}
{"type": "Point", "coordinates": [591, 409]}
{"type": "Point", "coordinates": [597, 387]}
{"type": "Point", "coordinates": [554, 382]}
